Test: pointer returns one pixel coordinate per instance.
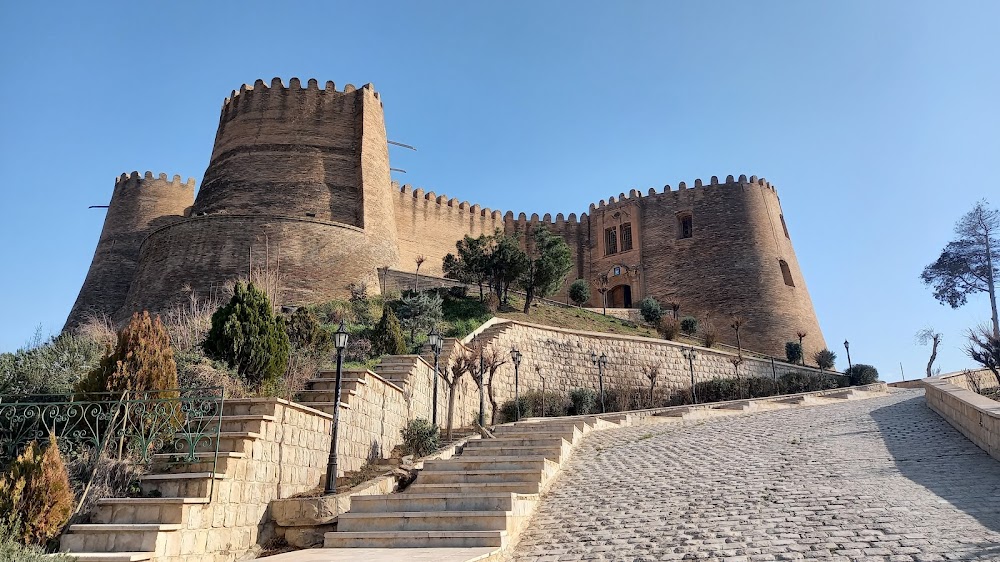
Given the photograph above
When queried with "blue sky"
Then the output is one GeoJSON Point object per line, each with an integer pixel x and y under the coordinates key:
{"type": "Point", "coordinates": [877, 121]}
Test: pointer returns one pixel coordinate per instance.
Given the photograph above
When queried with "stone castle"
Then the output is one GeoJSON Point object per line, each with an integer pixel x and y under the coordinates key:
{"type": "Point", "coordinates": [300, 176]}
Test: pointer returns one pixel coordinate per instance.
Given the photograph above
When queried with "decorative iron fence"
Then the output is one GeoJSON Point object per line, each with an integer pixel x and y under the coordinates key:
{"type": "Point", "coordinates": [155, 428]}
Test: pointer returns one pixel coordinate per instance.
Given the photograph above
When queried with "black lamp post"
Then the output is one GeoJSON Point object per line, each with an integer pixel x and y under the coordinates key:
{"type": "Point", "coordinates": [690, 354]}
{"type": "Point", "coordinates": [515, 356]}
{"type": "Point", "coordinates": [600, 362]}
{"type": "Point", "coordinates": [340, 342]}
{"type": "Point", "coordinates": [847, 346]}
{"type": "Point", "coordinates": [435, 340]}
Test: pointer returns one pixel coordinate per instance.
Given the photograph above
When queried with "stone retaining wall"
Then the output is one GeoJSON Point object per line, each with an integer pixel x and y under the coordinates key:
{"type": "Point", "coordinates": [976, 416]}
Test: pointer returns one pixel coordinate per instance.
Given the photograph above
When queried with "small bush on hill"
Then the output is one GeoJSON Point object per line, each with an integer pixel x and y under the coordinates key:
{"type": "Point", "coordinates": [793, 352]}
{"type": "Point", "coordinates": [358, 349]}
{"type": "Point", "coordinates": [582, 401]}
{"type": "Point", "coordinates": [862, 374]}
{"type": "Point", "coordinates": [387, 336]}
{"type": "Point", "coordinates": [668, 328]}
{"type": "Point", "coordinates": [650, 310]}
{"type": "Point", "coordinates": [689, 325]}
{"type": "Point", "coordinates": [305, 332]}
{"type": "Point", "coordinates": [246, 334]}
{"type": "Point", "coordinates": [579, 292]}
{"type": "Point", "coordinates": [51, 367]}
{"type": "Point", "coordinates": [420, 437]}
{"type": "Point", "coordinates": [420, 312]}
{"type": "Point", "coordinates": [709, 334]}
{"type": "Point", "coordinates": [142, 360]}
{"type": "Point", "coordinates": [36, 491]}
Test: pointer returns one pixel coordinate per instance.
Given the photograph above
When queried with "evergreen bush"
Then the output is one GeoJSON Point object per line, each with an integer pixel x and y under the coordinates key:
{"type": "Point", "coordinates": [508, 410]}
{"type": "Point", "coordinates": [793, 351]}
{"type": "Point", "coordinates": [142, 360]}
{"type": "Point", "coordinates": [556, 403]}
{"type": "Point", "coordinates": [689, 325]}
{"type": "Point", "coordinates": [387, 336]}
{"type": "Point", "coordinates": [650, 310]}
{"type": "Point", "coordinates": [862, 374]}
{"type": "Point", "coordinates": [305, 332]}
{"type": "Point", "coordinates": [579, 292]}
{"type": "Point", "coordinates": [582, 401]}
{"type": "Point", "coordinates": [35, 494]}
{"type": "Point", "coordinates": [420, 312]}
{"type": "Point", "coordinates": [246, 334]}
{"type": "Point", "coordinates": [420, 437]}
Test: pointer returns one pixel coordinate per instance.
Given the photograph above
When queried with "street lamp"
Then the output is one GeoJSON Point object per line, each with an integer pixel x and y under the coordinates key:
{"type": "Point", "coordinates": [340, 342]}
{"type": "Point", "coordinates": [690, 354]}
{"type": "Point", "coordinates": [515, 356]}
{"type": "Point", "coordinates": [435, 340]}
{"type": "Point", "coordinates": [847, 346]}
{"type": "Point", "coordinates": [600, 362]}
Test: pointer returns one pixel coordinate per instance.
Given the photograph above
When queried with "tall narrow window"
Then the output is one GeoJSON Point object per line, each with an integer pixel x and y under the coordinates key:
{"type": "Point", "coordinates": [783, 227]}
{"type": "Point", "coordinates": [626, 237]}
{"type": "Point", "coordinates": [685, 225]}
{"type": "Point", "coordinates": [786, 273]}
{"type": "Point", "coordinates": [610, 241]}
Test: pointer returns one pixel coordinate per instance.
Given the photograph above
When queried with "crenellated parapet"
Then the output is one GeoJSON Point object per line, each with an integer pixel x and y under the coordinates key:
{"type": "Point", "coordinates": [682, 189]}
{"type": "Point", "coordinates": [292, 99]}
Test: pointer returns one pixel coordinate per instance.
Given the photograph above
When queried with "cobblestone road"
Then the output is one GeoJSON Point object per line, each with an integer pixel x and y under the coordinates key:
{"type": "Point", "coordinates": [873, 479]}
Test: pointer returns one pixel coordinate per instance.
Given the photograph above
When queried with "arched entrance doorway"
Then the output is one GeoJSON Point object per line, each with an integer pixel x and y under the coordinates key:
{"type": "Point", "coordinates": [620, 296]}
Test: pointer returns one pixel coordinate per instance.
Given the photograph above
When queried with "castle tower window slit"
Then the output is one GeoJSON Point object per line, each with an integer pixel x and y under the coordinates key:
{"type": "Point", "coordinates": [786, 273]}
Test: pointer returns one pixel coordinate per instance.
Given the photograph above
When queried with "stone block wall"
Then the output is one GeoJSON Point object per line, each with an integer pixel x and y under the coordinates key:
{"type": "Point", "coordinates": [975, 416]}
{"type": "Point", "coordinates": [370, 426]}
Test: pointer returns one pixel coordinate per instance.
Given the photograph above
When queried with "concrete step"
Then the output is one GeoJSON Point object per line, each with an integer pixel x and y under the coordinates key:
{"type": "Point", "coordinates": [517, 441]}
{"type": "Point", "coordinates": [480, 476]}
{"type": "Point", "coordinates": [490, 463]}
{"type": "Point", "coordinates": [204, 462]}
{"type": "Point", "coordinates": [233, 424]}
{"type": "Point", "coordinates": [327, 407]}
{"type": "Point", "coordinates": [414, 539]}
{"type": "Point", "coordinates": [571, 436]}
{"type": "Point", "coordinates": [180, 485]}
{"type": "Point", "coordinates": [229, 442]}
{"type": "Point", "coordinates": [123, 511]}
{"type": "Point", "coordinates": [330, 384]}
{"type": "Point", "coordinates": [113, 556]}
{"type": "Point", "coordinates": [554, 424]}
{"type": "Point", "coordinates": [425, 521]}
{"type": "Point", "coordinates": [134, 537]}
{"type": "Point", "coordinates": [310, 396]}
{"type": "Point", "coordinates": [553, 453]}
{"type": "Point", "coordinates": [483, 501]}
{"type": "Point", "coordinates": [474, 487]}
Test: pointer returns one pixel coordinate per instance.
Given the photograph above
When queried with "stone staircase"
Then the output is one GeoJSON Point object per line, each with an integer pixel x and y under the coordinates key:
{"type": "Point", "coordinates": [205, 509]}
{"type": "Point", "coordinates": [481, 498]}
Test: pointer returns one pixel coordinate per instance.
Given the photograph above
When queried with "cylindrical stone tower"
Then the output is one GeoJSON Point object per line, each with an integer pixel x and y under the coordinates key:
{"type": "Point", "coordinates": [139, 205]}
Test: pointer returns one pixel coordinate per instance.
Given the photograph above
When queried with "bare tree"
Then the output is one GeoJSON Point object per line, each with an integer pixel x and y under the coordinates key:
{"type": "Point", "coordinates": [984, 348]}
{"type": "Point", "coordinates": [416, 274]}
{"type": "Point", "coordinates": [737, 322]}
{"type": "Point", "coordinates": [493, 359]}
{"type": "Point", "coordinates": [802, 335]}
{"type": "Point", "coordinates": [925, 336]}
{"type": "Point", "coordinates": [651, 372]}
{"type": "Point", "coordinates": [462, 363]}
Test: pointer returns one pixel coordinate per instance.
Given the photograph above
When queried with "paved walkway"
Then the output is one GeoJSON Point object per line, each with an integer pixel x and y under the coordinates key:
{"type": "Point", "coordinates": [874, 479]}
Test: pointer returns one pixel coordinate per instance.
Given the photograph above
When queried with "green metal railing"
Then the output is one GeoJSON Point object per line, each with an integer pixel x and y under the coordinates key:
{"type": "Point", "coordinates": [165, 427]}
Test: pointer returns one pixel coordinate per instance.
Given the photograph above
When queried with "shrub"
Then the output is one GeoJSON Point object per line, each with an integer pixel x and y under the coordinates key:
{"type": "Point", "coordinates": [52, 367]}
{"type": "Point", "coordinates": [305, 332]}
{"type": "Point", "coordinates": [668, 328]}
{"type": "Point", "coordinates": [492, 303]}
{"type": "Point", "coordinates": [579, 292]}
{"type": "Point", "coordinates": [825, 359]}
{"type": "Point", "coordinates": [721, 389]}
{"type": "Point", "coordinates": [709, 334]}
{"type": "Point", "coordinates": [11, 550]}
{"type": "Point", "coordinates": [582, 401]}
{"type": "Point", "coordinates": [759, 387]}
{"type": "Point", "coordinates": [36, 488]}
{"type": "Point", "coordinates": [387, 336]}
{"type": "Point", "coordinates": [689, 325]}
{"type": "Point", "coordinates": [420, 437]}
{"type": "Point", "coordinates": [794, 382]}
{"type": "Point", "coordinates": [358, 349]}
{"type": "Point", "coordinates": [246, 334]}
{"type": "Point", "coordinates": [862, 374]}
{"type": "Point", "coordinates": [508, 410]}
{"type": "Point", "coordinates": [556, 403]}
{"type": "Point", "coordinates": [650, 310]}
{"type": "Point", "coordinates": [793, 351]}
{"type": "Point", "coordinates": [142, 360]}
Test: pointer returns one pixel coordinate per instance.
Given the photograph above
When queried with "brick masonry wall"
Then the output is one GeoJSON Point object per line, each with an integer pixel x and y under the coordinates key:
{"type": "Point", "coordinates": [976, 416]}
{"type": "Point", "coordinates": [139, 205]}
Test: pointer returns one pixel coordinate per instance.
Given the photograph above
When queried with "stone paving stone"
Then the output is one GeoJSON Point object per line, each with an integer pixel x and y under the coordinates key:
{"type": "Point", "coordinates": [881, 479]}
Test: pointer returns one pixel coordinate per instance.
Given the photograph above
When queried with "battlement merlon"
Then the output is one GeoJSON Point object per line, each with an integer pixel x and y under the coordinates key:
{"type": "Point", "coordinates": [263, 97]}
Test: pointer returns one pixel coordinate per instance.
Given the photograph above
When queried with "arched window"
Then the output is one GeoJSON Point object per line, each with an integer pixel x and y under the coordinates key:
{"type": "Point", "coordinates": [783, 227]}
{"type": "Point", "coordinates": [685, 225]}
{"type": "Point", "coordinates": [786, 273]}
